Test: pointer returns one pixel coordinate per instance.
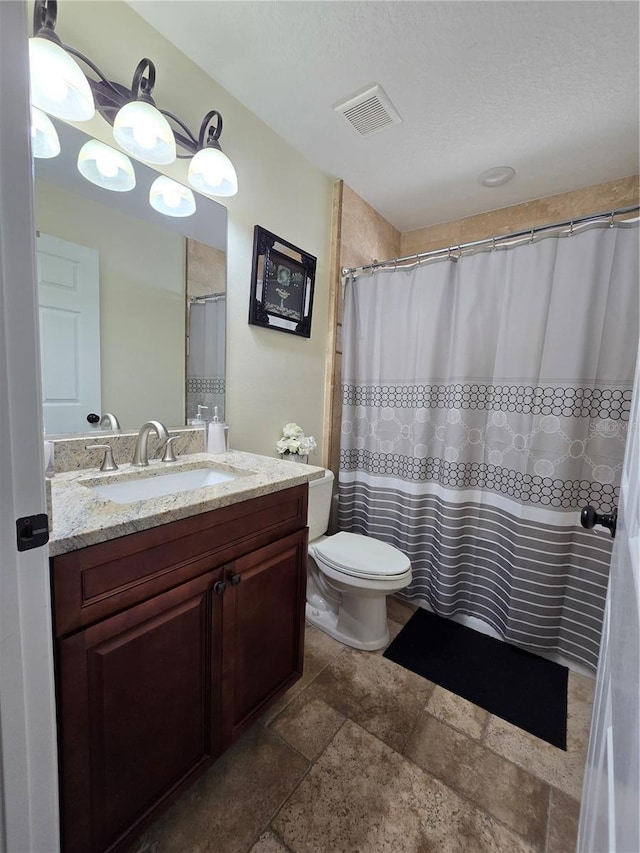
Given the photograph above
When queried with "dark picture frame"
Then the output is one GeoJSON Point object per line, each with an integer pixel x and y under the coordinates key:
{"type": "Point", "coordinates": [282, 281]}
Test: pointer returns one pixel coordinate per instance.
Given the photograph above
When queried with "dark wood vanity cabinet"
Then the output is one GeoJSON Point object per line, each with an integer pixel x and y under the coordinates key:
{"type": "Point", "coordinates": [169, 643]}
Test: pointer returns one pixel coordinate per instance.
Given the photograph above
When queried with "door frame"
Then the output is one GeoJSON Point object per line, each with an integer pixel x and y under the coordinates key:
{"type": "Point", "coordinates": [29, 817]}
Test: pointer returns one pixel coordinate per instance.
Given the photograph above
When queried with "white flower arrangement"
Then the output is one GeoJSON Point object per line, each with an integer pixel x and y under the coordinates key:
{"type": "Point", "coordinates": [295, 441]}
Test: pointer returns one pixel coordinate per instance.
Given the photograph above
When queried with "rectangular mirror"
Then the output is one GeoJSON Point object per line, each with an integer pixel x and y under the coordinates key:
{"type": "Point", "coordinates": [132, 302]}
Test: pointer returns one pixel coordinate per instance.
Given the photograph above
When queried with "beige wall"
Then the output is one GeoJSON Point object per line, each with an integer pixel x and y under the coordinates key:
{"type": "Point", "coordinates": [543, 211]}
{"type": "Point", "coordinates": [272, 377]}
{"type": "Point", "coordinates": [365, 234]}
{"type": "Point", "coordinates": [142, 304]}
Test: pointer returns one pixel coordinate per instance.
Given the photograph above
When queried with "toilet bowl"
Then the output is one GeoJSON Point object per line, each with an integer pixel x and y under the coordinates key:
{"type": "Point", "coordinates": [349, 577]}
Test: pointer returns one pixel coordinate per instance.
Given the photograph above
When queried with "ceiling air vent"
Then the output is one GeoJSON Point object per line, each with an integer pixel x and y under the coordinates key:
{"type": "Point", "coordinates": [369, 111]}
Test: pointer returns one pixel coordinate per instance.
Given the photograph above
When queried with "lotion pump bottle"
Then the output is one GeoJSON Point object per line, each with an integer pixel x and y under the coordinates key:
{"type": "Point", "coordinates": [216, 442]}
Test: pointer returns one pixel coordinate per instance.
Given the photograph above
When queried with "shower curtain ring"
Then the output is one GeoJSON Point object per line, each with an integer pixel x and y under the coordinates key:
{"type": "Point", "coordinates": [493, 244]}
{"type": "Point", "coordinates": [611, 223]}
{"type": "Point", "coordinates": [571, 229]}
{"type": "Point", "coordinates": [531, 238]}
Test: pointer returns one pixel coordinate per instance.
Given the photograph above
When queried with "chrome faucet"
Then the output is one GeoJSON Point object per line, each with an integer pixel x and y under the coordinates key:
{"type": "Point", "coordinates": [109, 421]}
{"type": "Point", "coordinates": [141, 456]}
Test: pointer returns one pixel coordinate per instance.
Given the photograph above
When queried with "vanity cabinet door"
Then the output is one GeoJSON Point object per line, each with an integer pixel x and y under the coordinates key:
{"type": "Point", "coordinates": [138, 710]}
{"type": "Point", "coordinates": [263, 630]}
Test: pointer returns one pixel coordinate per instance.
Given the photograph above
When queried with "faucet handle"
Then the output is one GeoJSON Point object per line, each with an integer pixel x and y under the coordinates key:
{"type": "Point", "coordinates": [169, 453]}
{"type": "Point", "coordinates": [108, 463]}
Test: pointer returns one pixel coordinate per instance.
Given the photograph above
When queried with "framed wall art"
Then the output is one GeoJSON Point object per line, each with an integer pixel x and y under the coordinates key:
{"type": "Point", "coordinates": [282, 279]}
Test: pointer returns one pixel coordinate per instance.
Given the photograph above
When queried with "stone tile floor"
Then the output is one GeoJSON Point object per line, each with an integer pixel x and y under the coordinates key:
{"type": "Point", "coordinates": [362, 755]}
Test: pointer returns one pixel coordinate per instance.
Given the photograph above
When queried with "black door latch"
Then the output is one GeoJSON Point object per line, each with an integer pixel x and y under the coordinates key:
{"type": "Point", "coordinates": [32, 531]}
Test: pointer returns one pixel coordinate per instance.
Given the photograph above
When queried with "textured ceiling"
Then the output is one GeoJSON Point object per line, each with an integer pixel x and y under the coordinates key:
{"type": "Point", "coordinates": [549, 88]}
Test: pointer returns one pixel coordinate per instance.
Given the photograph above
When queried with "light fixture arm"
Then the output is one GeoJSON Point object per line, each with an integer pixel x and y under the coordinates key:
{"type": "Point", "coordinates": [142, 87]}
{"type": "Point", "coordinates": [212, 131]}
{"type": "Point", "coordinates": [45, 13]}
{"type": "Point", "coordinates": [190, 143]}
{"type": "Point", "coordinates": [116, 88]}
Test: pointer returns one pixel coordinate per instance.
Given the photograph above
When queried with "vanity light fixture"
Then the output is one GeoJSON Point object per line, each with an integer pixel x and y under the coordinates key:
{"type": "Point", "coordinates": [44, 137]}
{"type": "Point", "coordinates": [210, 170]}
{"type": "Point", "coordinates": [171, 198]}
{"type": "Point", "coordinates": [105, 167]}
{"type": "Point", "coordinates": [147, 132]}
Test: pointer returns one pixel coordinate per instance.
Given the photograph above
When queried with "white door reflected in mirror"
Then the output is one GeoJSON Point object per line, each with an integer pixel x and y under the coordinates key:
{"type": "Point", "coordinates": [69, 308]}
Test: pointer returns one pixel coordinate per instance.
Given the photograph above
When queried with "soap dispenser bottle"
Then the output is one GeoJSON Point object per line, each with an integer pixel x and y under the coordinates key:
{"type": "Point", "coordinates": [216, 442]}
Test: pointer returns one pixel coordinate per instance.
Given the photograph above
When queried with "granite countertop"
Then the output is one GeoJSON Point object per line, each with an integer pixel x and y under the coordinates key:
{"type": "Point", "coordinates": [81, 517]}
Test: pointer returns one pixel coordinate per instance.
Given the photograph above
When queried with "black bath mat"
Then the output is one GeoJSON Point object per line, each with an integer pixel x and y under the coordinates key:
{"type": "Point", "coordinates": [513, 684]}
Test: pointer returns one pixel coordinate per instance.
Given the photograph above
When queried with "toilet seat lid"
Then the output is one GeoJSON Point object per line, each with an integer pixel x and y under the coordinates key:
{"type": "Point", "coordinates": [362, 556]}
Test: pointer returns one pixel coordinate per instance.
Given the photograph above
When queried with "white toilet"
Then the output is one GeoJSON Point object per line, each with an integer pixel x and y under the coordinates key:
{"type": "Point", "coordinates": [349, 577]}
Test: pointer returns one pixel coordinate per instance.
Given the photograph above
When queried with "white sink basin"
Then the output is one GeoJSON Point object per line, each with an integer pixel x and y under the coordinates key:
{"type": "Point", "coordinates": [143, 488]}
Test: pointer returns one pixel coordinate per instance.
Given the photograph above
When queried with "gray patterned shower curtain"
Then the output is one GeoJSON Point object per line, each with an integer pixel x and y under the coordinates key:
{"type": "Point", "coordinates": [485, 401]}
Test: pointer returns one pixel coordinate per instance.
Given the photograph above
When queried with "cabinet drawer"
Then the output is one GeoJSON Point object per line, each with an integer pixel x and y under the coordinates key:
{"type": "Point", "coordinates": [100, 580]}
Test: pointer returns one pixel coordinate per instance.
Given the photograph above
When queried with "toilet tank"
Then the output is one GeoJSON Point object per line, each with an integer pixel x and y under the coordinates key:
{"type": "Point", "coordinates": [319, 505]}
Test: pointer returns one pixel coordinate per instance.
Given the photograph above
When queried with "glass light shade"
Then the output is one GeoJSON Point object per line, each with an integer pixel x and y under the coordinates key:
{"type": "Point", "coordinates": [58, 84]}
{"type": "Point", "coordinates": [44, 138]}
{"type": "Point", "coordinates": [145, 133]}
{"type": "Point", "coordinates": [171, 198]}
{"type": "Point", "coordinates": [106, 167]}
{"type": "Point", "coordinates": [211, 171]}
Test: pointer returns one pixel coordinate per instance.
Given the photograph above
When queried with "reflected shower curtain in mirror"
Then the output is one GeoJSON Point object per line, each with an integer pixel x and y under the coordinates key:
{"type": "Point", "coordinates": [485, 401]}
{"type": "Point", "coordinates": [206, 355]}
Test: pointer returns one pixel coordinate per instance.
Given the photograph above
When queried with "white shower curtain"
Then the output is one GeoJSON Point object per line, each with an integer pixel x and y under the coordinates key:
{"type": "Point", "coordinates": [485, 401]}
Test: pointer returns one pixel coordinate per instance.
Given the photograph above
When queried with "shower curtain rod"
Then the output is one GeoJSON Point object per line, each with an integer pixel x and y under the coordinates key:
{"type": "Point", "coordinates": [208, 297]}
{"type": "Point", "coordinates": [502, 241]}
